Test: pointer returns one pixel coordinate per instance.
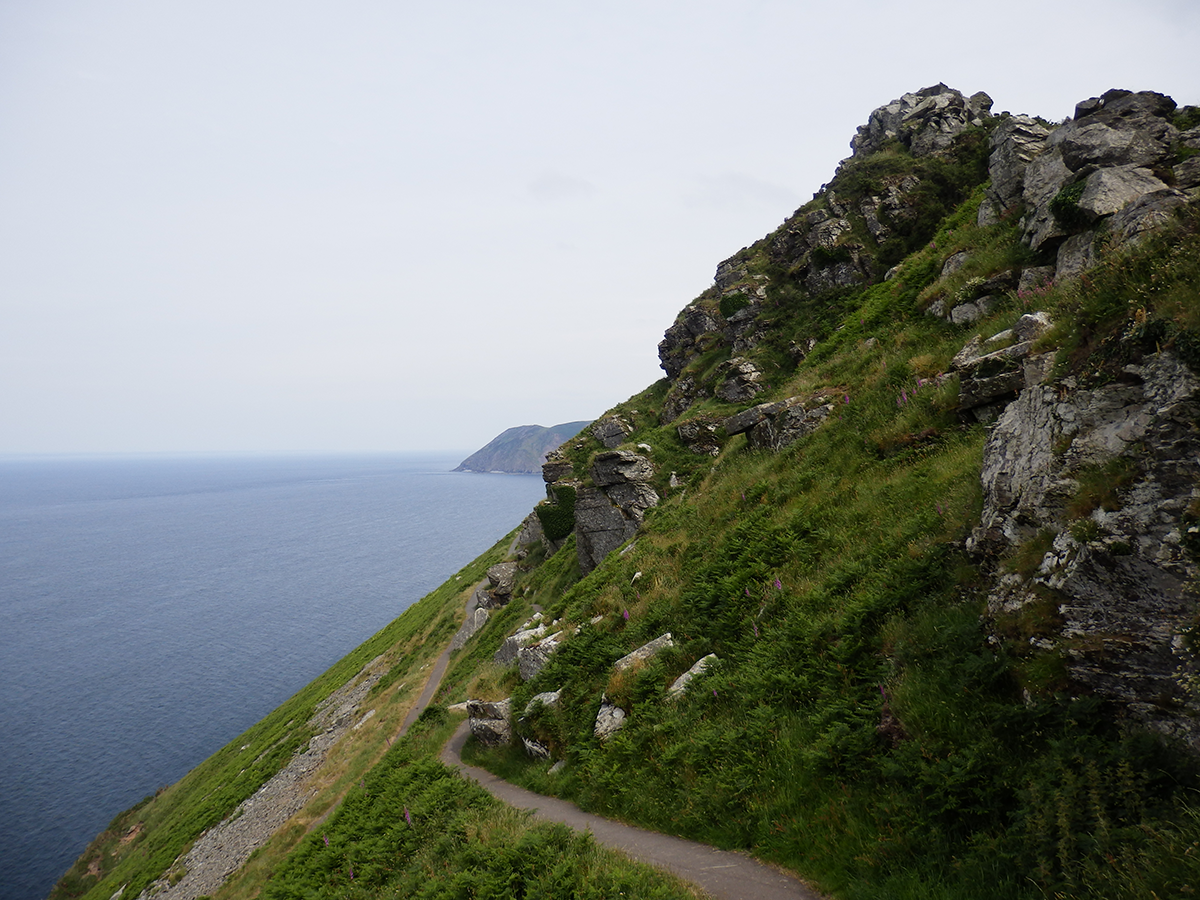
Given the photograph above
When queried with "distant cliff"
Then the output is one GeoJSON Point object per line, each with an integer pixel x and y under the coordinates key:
{"type": "Point", "coordinates": [520, 450]}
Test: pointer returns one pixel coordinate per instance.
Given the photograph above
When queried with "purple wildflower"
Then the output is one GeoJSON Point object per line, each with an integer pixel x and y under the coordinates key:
{"type": "Point", "coordinates": [626, 615]}
{"type": "Point", "coordinates": [755, 625]}
{"type": "Point", "coordinates": [352, 873]}
{"type": "Point", "coordinates": [407, 817]}
{"type": "Point", "coordinates": [778, 585]}
{"type": "Point", "coordinates": [846, 399]}
{"type": "Point", "coordinates": [326, 840]}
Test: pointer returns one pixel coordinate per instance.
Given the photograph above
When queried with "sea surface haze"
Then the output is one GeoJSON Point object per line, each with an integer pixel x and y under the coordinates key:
{"type": "Point", "coordinates": [152, 609]}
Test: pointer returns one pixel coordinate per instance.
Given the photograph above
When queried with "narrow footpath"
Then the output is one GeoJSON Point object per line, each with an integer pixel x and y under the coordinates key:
{"type": "Point", "coordinates": [722, 874]}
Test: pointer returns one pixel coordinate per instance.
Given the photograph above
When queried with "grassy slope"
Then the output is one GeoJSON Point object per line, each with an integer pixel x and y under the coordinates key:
{"type": "Point", "coordinates": [828, 580]}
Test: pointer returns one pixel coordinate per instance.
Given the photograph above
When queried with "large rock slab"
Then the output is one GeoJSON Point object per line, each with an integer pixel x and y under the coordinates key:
{"type": "Point", "coordinates": [475, 620]}
{"type": "Point", "coordinates": [611, 431]}
{"type": "Point", "coordinates": [600, 527]}
{"type": "Point", "coordinates": [680, 684]}
{"type": "Point", "coordinates": [609, 719]}
{"type": "Point", "coordinates": [508, 650]}
{"type": "Point", "coordinates": [490, 721]}
{"type": "Point", "coordinates": [620, 467]}
{"type": "Point", "coordinates": [532, 658]}
{"type": "Point", "coordinates": [1118, 574]}
{"type": "Point", "coordinates": [644, 652]}
{"type": "Point", "coordinates": [1109, 190]}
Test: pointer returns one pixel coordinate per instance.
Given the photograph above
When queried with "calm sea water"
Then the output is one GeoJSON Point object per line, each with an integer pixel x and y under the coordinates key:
{"type": "Point", "coordinates": [153, 609]}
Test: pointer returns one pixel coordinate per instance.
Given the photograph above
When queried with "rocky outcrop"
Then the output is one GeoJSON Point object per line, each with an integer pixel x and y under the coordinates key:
{"type": "Point", "coordinates": [532, 658]}
{"type": "Point", "coordinates": [738, 380]}
{"type": "Point", "coordinates": [926, 121]}
{"type": "Point", "coordinates": [773, 426]}
{"type": "Point", "coordinates": [609, 514]}
{"type": "Point", "coordinates": [701, 435]}
{"type": "Point", "coordinates": [1103, 476]}
{"type": "Point", "coordinates": [609, 719]}
{"type": "Point", "coordinates": [680, 684]}
{"type": "Point", "coordinates": [1015, 143]}
{"type": "Point", "coordinates": [500, 578]}
{"type": "Point", "coordinates": [695, 331]}
{"type": "Point", "coordinates": [611, 431]}
{"type": "Point", "coordinates": [993, 372]}
{"type": "Point", "coordinates": [644, 652]}
{"type": "Point", "coordinates": [476, 619]}
{"type": "Point", "coordinates": [490, 721]}
{"type": "Point", "coordinates": [1097, 164]}
{"type": "Point", "coordinates": [527, 634]}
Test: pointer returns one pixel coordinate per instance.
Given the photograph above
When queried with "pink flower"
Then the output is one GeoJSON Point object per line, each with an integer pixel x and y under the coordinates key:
{"type": "Point", "coordinates": [407, 817]}
{"type": "Point", "coordinates": [778, 585]}
{"type": "Point", "coordinates": [626, 615]}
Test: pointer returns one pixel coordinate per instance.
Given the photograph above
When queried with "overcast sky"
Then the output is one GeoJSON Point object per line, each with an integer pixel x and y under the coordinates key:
{"type": "Point", "coordinates": [375, 225]}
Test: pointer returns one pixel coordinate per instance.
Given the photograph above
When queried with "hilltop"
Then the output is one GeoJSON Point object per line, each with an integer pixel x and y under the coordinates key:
{"type": "Point", "coordinates": [520, 450]}
{"type": "Point", "coordinates": [891, 580]}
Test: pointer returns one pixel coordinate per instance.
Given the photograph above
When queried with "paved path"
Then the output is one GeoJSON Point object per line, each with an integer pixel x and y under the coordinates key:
{"type": "Point", "coordinates": [724, 875]}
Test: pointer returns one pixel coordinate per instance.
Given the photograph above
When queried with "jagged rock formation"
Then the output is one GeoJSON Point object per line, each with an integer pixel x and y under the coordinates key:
{"type": "Point", "coordinates": [1104, 476]}
{"type": "Point", "coordinates": [609, 514]}
{"type": "Point", "coordinates": [490, 721]}
{"type": "Point", "coordinates": [925, 122]}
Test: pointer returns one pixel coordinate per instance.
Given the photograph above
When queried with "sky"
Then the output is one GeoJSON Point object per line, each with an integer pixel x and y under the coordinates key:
{"type": "Point", "coordinates": [275, 226]}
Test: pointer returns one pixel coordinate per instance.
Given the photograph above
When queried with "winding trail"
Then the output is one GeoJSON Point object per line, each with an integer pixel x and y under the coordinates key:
{"type": "Point", "coordinates": [722, 874]}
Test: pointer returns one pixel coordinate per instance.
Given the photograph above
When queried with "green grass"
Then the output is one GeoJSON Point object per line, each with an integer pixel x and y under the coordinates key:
{"type": "Point", "coordinates": [415, 828]}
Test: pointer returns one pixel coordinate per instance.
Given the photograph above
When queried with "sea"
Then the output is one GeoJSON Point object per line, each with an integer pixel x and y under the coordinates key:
{"type": "Point", "coordinates": [153, 608]}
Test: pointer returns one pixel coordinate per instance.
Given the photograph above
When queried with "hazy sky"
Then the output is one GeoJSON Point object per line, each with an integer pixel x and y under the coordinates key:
{"type": "Point", "coordinates": [389, 225]}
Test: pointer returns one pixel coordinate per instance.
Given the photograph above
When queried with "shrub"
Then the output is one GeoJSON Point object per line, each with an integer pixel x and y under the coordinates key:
{"type": "Point", "coordinates": [558, 518]}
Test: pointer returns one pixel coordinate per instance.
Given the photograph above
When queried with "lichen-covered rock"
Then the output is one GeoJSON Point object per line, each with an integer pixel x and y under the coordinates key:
{"type": "Point", "coordinates": [476, 619]}
{"type": "Point", "coordinates": [607, 516]}
{"type": "Point", "coordinates": [620, 467]}
{"type": "Point", "coordinates": [739, 380]}
{"type": "Point", "coordinates": [546, 699]}
{"type": "Point", "coordinates": [682, 341]}
{"type": "Point", "coordinates": [1015, 143]}
{"type": "Point", "coordinates": [556, 468]}
{"type": "Point", "coordinates": [989, 379]}
{"type": "Point", "coordinates": [701, 435]}
{"type": "Point", "coordinates": [501, 577]}
{"type": "Point", "coordinates": [609, 719]}
{"type": "Point", "coordinates": [535, 749]}
{"type": "Point", "coordinates": [926, 121]}
{"type": "Point", "coordinates": [644, 652]}
{"type": "Point", "coordinates": [680, 684]}
{"type": "Point", "coordinates": [1117, 573]}
{"type": "Point", "coordinates": [611, 431]}
{"type": "Point", "coordinates": [508, 650]}
{"type": "Point", "coordinates": [600, 527]}
{"type": "Point", "coordinates": [531, 658]}
{"type": "Point", "coordinates": [1114, 145]}
{"type": "Point", "coordinates": [489, 721]}
{"type": "Point", "coordinates": [786, 426]}
{"type": "Point", "coordinates": [683, 393]}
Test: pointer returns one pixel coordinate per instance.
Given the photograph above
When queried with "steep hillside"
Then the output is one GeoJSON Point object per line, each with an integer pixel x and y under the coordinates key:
{"type": "Point", "coordinates": [891, 580]}
{"type": "Point", "coordinates": [520, 450]}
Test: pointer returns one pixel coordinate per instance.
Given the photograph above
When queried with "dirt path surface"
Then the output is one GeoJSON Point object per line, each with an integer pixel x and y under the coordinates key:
{"type": "Point", "coordinates": [724, 875]}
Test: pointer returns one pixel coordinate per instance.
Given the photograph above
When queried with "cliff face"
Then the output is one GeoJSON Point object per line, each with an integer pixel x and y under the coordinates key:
{"type": "Point", "coordinates": [892, 578]}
